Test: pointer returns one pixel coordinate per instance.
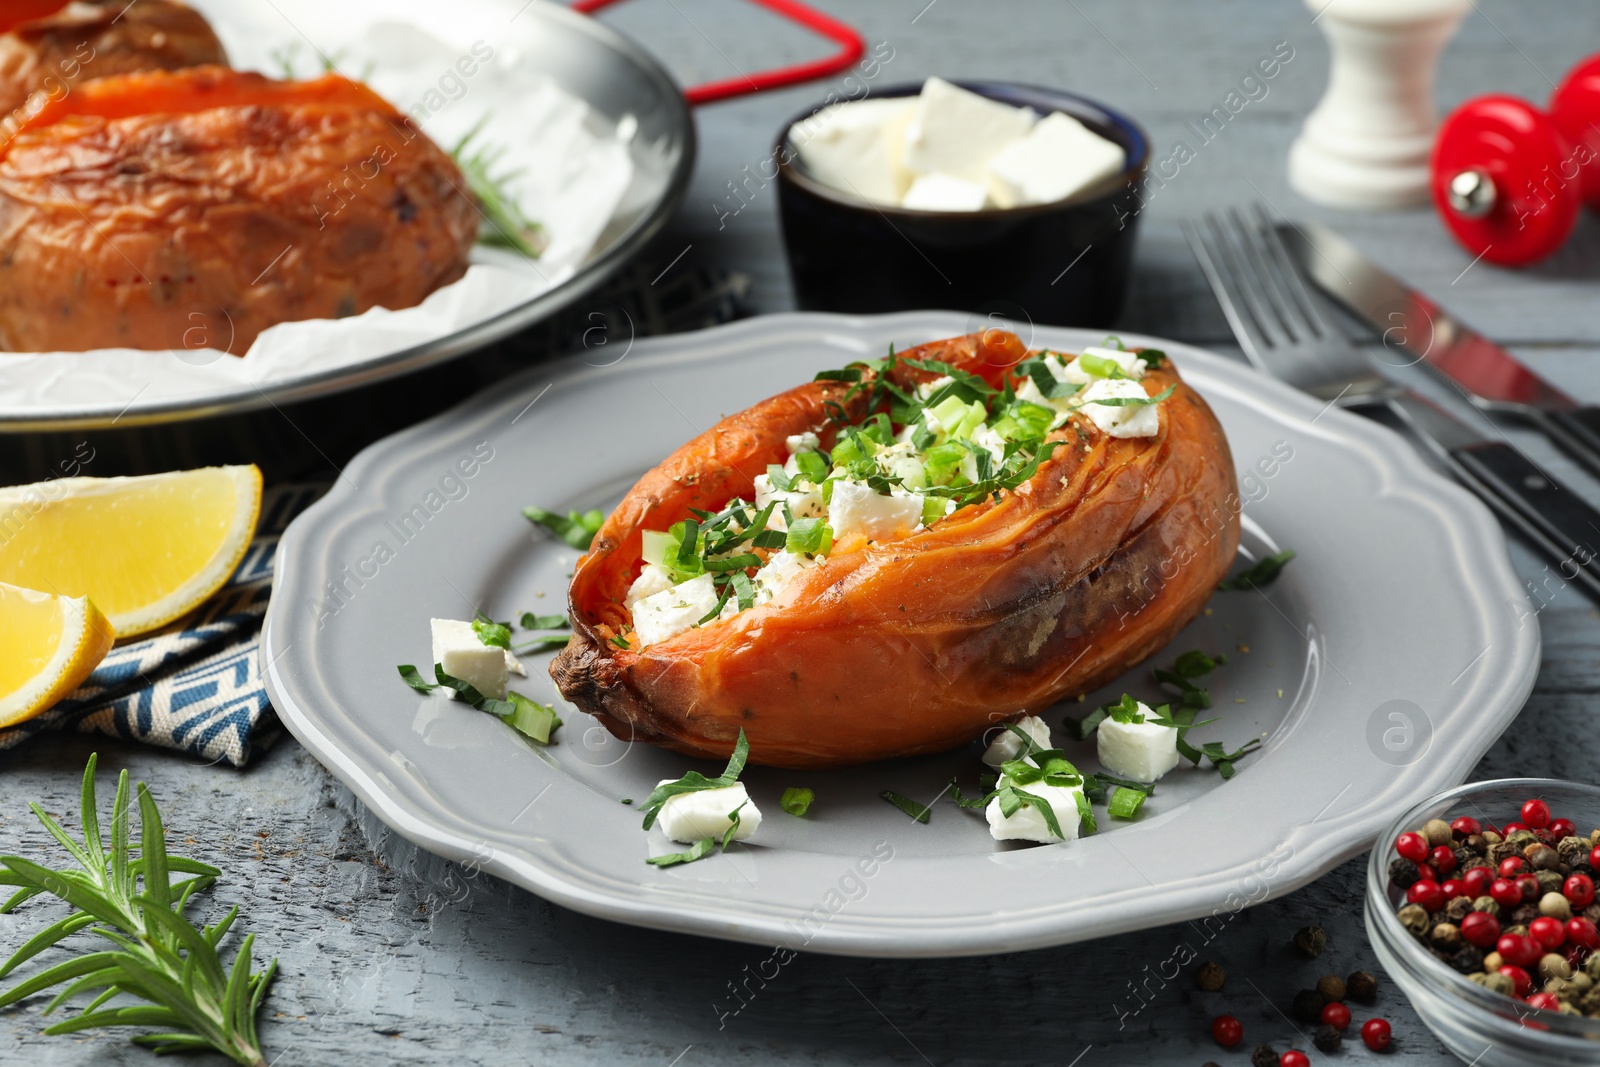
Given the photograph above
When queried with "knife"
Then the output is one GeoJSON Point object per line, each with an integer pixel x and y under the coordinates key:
{"type": "Point", "coordinates": [1490, 377]}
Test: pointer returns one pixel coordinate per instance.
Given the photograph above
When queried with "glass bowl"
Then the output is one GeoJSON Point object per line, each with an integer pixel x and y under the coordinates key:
{"type": "Point", "coordinates": [1482, 1027]}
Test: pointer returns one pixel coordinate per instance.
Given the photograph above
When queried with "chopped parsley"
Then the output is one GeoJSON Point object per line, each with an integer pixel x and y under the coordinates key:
{"type": "Point", "coordinates": [694, 782]}
{"type": "Point", "coordinates": [493, 634]}
{"type": "Point", "coordinates": [526, 716]}
{"type": "Point", "coordinates": [575, 529]}
{"type": "Point", "coordinates": [1260, 574]}
{"type": "Point", "coordinates": [919, 812]}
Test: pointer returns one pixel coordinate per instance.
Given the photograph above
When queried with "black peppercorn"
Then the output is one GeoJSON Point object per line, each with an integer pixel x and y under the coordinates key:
{"type": "Point", "coordinates": [1308, 1005]}
{"type": "Point", "coordinates": [1403, 873]}
{"type": "Point", "coordinates": [1210, 977]}
{"type": "Point", "coordinates": [1468, 959]}
{"type": "Point", "coordinates": [1309, 941]}
{"type": "Point", "coordinates": [1328, 1039]}
{"type": "Point", "coordinates": [1331, 986]}
{"type": "Point", "coordinates": [1361, 986]}
{"type": "Point", "coordinates": [1263, 1056]}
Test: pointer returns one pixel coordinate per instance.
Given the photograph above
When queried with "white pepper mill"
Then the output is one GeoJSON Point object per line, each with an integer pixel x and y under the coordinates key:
{"type": "Point", "coordinates": [1366, 144]}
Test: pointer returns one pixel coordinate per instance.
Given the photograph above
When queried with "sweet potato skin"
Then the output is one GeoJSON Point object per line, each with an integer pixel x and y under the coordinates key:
{"type": "Point", "coordinates": [199, 228]}
{"type": "Point", "coordinates": [51, 46]}
{"type": "Point", "coordinates": [917, 645]}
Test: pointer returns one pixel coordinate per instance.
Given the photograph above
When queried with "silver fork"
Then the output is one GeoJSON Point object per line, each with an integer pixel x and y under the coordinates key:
{"type": "Point", "coordinates": [1284, 333]}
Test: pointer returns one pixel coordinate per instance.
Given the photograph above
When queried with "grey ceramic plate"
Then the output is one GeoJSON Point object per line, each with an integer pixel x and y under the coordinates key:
{"type": "Point", "coordinates": [1379, 668]}
{"type": "Point", "coordinates": [591, 61]}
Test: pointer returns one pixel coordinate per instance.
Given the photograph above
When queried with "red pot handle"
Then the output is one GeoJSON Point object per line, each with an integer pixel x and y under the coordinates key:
{"type": "Point", "coordinates": [851, 42]}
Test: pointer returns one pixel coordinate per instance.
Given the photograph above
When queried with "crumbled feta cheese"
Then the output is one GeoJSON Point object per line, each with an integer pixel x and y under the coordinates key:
{"type": "Point", "coordinates": [1027, 824]}
{"type": "Point", "coordinates": [927, 389]}
{"type": "Point", "coordinates": [989, 439]}
{"type": "Point", "coordinates": [672, 611]}
{"type": "Point", "coordinates": [802, 442]}
{"type": "Point", "coordinates": [857, 147]}
{"type": "Point", "coordinates": [652, 580]}
{"type": "Point", "coordinates": [956, 132]}
{"type": "Point", "coordinates": [942, 192]}
{"type": "Point", "coordinates": [1143, 751]}
{"type": "Point", "coordinates": [775, 575]}
{"type": "Point", "coordinates": [805, 502]}
{"type": "Point", "coordinates": [1008, 746]}
{"type": "Point", "coordinates": [458, 649]}
{"type": "Point", "coordinates": [859, 509]}
{"type": "Point", "coordinates": [1029, 392]}
{"type": "Point", "coordinates": [1143, 420]}
{"type": "Point", "coordinates": [1057, 158]}
{"type": "Point", "coordinates": [688, 817]}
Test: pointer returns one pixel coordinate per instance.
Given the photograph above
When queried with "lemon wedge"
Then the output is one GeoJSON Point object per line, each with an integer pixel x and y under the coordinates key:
{"type": "Point", "coordinates": [145, 550]}
{"type": "Point", "coordinates": [51, 644]}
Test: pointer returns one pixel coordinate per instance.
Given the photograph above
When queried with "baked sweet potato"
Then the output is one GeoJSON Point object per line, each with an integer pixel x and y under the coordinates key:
{"type": "Point", "coordinates": [49, 46]}
{"type": "Point", "coordinates": [919, 644]}
{"type": "Point", "coordinates": [196, 208]}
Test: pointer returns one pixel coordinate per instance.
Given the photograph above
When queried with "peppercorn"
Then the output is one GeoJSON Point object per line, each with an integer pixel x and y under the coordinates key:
{"type": "Point", "coordinates": [1210, 977]}
{"type": "Point", "coordinates": [1468, 958]}
{"type": "Point", "coordinates": [1549, 881]}
{"type": "Point", "coordinates": [1308, 1004]}
{"type": "Point", "coordinates": [1500, 983]}
{"type": "Point", "coordinates": [1591, 967]}
{"type": "Point", "coordinates": [1364, 987]}
{"type": "Point", "coordinates": [1542, 857]}
{"type": "Point", "coordinates": [1488, 905]}
{"type": "Point", "coordinates": [1328, 1039]}
{"type": "Point", "coordinates": [1458, 908]}
{"type": "Point", "coordinates": [1573, 850]}
{"type": "Point", "coordinates": [1438, 832]}
{"type": "Point", "coordinates": [1491, 837]}
{"type": "Point", "coordinates": [1492, 962]}
{"type": "Point", "coordinates": [1446, 937]}
{"type": "Point", "coordinates": [1524, 914]}
{"type": "Point", "coordinates": [1521, 839]}
{"type": "Point", "coordinates": [1263, 1056]}
{"type": "Point", "coordinates": [1414, 917]}
{"type": "Point", "coordinates": [1403, 873]}
{"type": "Point", "coordinates": [1556, 906]}
{"type": "Point", "coordinates": [1592, 913]}
{"type": "Point", "coordinates": [1310, 941]}
{"type": "Point", "coordinates": [1477, 843]}
{"type": "Point", "coordinates": [1501, 852]}
{"type": "Point", "coordinates": [1554, 965]}
{"type": "Point", "coordinates": [1331, 986]}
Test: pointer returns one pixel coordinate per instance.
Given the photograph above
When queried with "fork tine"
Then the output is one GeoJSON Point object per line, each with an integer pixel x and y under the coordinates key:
{"type": "Point", "coordinates": [1301, 295]}
{"type": "Point", "coordinates": [1270, 286]}
{"type": "Point", "coordinates": [1225, 285]}
{"type": "Point", "coordinates": [1230, 244]}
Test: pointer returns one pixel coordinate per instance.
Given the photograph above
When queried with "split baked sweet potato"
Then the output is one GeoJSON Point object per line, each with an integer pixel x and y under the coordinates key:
{"type": "Point", "coordinates": [920, 643]}
{"type": "Point", "coordinates": [196, 208]}
{"type": "Point", "coordinates": [49, 46]}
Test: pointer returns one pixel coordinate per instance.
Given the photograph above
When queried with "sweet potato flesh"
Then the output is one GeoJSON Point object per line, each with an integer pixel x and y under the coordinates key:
{"type": "Point", "coordinates": [920, 644]}
{"type": "Point", "coordinates": [194, 209]}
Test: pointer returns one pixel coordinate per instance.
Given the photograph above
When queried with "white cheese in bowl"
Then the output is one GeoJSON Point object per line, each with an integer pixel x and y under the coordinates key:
{"type": "Point", "coordinates": [1058, 157]}
{"type": "Point", "coordinates": [955, 131]}
{"type": "Point", "coordinates": [857, 147]}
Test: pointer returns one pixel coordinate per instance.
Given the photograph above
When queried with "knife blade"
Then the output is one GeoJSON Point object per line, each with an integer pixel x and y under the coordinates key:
{"type": "Point", "coordinates": [1491, 378]}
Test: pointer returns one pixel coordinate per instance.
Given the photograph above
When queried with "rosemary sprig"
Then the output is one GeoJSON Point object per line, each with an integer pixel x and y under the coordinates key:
{"type": "Point", "coordinates": [159, 957]}
{"type": "Point", "coordinates": [508, 226]}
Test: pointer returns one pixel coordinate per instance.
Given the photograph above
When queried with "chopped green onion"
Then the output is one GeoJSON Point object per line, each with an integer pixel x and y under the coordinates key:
{"type": "Point", "coordinates": [1101, 366]}
{"type": "Point", "coordinates": [812, 465]}
{"type": "Point", "coordinates": [1086, 823]}
{"type": "Point", "coordinates": [1125, 803]}
{"type": "Point", "coordinates": [528, 717]}
{"type": "Point", "coordinates": [796, 800]}
{"type": "Point", "coordinates": [811, 537]}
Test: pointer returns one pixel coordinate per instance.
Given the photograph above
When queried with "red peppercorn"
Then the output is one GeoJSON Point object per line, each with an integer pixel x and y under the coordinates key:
{"type": "Point", "coordinates": [1579, 889]}
{"type": "Point", "coordinates": [1412, 846]}
{"type": "Point", "coordinates": [1476, 882]}
{"type": "Point", "coordinates": [1452, 888]}
{"type": "Point", "coordinates": [1545, 1002]}
{"type": "Point", "coordinates": [1582, 932]}
{"type": "Point", "coordinates": [1227, 1031]}
{"type": "Point", "coordinates": [1594, 857]}
{"type": "Point", "coordinates": [1511, 866]}
{"type": "Point", "coordinates": [1335, 1015]}
{"type": "Point", "coordinates": [1521, 983]}
{"type": "Point", "coordinates": [1518, 950]}
{"type": "Point", "coordinates": [1560, 828]}
{"type": "Point", "coordinates": [1428, 894]}
{"type": "Point", "coordinates": [1443, 859]}
{"type": "Point", "coordinates": [1507, 894]}
{"type": "Point", "coordinates": [1480, 928]}
{"type": "Point", "coordinates": [1426, 873]}
{"type": "Point", "coordinates": [1547, 931]}
{"type": "Point", "coordinates": [1536, 813]}
{"type": "Point", "coordinates": [1294, 1058]}
{"type": "Point", "coordinates": [1529, 885]}
{"type": "Point", "coordinates": [1466, 826]}
{"type": "Point", "coordinates": [1511, 828]}
{"type": "Point", "coordinates": [1376, 1034]}
{"type": "Point", "coordinates": [1575, 955]}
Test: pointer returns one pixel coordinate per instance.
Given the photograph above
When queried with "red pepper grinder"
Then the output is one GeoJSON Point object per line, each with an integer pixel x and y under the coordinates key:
{"type": "Point", "coordinates": [1508, 179]}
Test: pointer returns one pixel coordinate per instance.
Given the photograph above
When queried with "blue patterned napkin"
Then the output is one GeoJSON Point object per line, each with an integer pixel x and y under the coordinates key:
{"type": "Point", "coordinates": [196, 686]}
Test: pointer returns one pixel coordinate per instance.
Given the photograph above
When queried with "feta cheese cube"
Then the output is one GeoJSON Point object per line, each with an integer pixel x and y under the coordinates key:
{"type": "Point", "coordinates": [802, 442]}
{"type": "Point", "coordinates": [857, 147]}
{"type": "Point", "coordinates": [1143, 420]}
{"type": "Point", "coordinates": [688, 817]}
{"type": "Point", "coordinates": [1057, 158]}
{"type": "Point", "coordinates": [956, 132]}
{"type": "Point", "coordinates": [1027, 823]}
{"type": "Point", "coordinates": [653, 579]}
{"type": "Point", "coordinates": [989, 439]}
{"type": "Point", "coordinates": [458, 649]}
{"type": "Point", "coordinates": [1008, 746]}
{"type": "Point", "coordinates": [805, 502]}
{"type": "Point", "coordinates": [1143, 751]}
{"type": "Point", "coordinates": [942, 192]}
{"type": "Point", "coordinates": [672, 611]}
{"type": "Point", "coordinates": [776, 574]}
{"type": "Point", "coordinates": [857, 509]}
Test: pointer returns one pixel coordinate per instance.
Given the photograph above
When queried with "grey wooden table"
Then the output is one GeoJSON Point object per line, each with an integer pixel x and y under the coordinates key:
{"type": "Point", "coordinates": [390, 956]}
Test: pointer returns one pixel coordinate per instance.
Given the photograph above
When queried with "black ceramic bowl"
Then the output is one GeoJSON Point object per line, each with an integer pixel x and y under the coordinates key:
{"type": "Point", "coordinates": [1065, 263]}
